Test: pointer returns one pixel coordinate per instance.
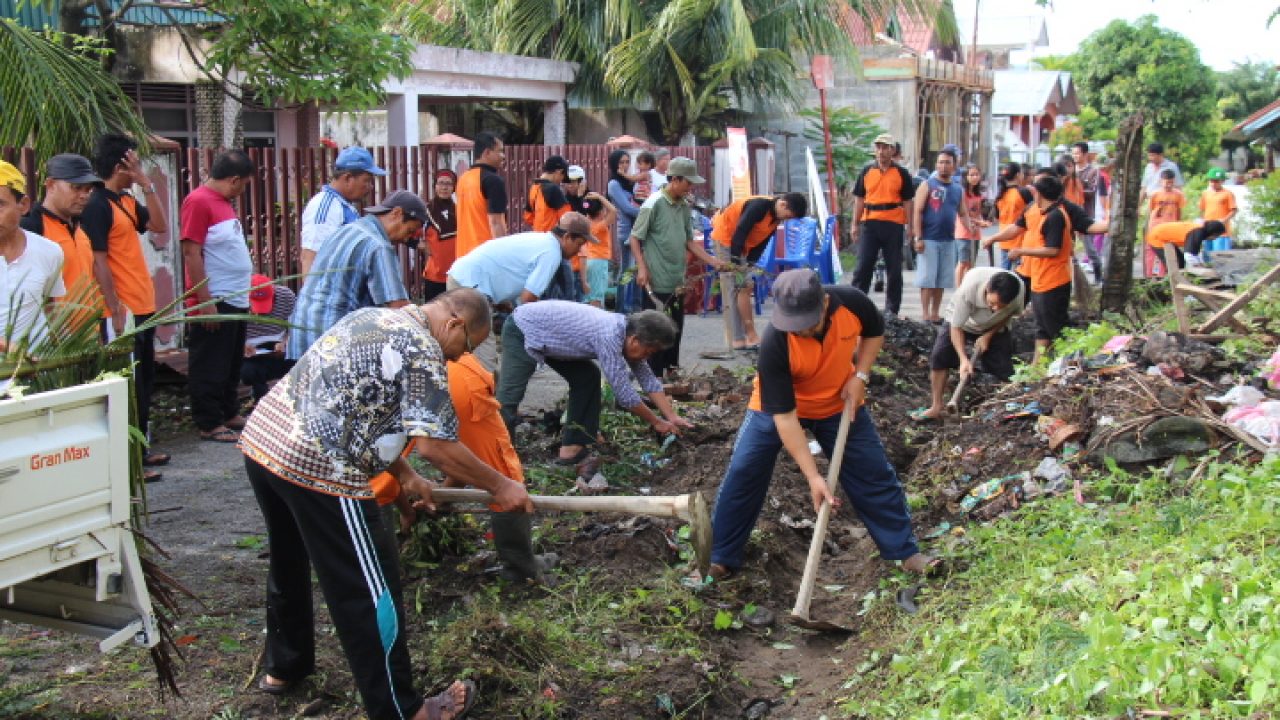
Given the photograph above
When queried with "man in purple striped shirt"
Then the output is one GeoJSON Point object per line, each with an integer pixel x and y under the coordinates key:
{"type": "Point", "coordinates": [567, 336]}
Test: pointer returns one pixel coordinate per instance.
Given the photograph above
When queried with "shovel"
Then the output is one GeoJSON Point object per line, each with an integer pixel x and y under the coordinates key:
{"type": "Point", "coordinates": [692, 508]}
{"type": "Point", "coordinates": [800, 613]}
{"type": "Point", "coordinates": [953, 405]}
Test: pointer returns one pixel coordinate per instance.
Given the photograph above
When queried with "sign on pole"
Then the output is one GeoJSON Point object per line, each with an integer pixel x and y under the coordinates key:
{"type": "Point", "coordinates": [739, 163]}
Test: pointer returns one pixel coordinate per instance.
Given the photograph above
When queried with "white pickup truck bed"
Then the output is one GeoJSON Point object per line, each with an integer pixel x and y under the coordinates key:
{"type": "Point", "coordinates": [67, 557]}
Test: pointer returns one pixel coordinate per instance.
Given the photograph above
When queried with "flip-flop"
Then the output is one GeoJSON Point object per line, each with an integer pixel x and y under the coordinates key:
{"type": "Point", "coordinates": [276, 688]}
{"type": "Point", "coordinates": [222, 435]}
{"type": "Point", "coordinates": [155, 458]}
{"type": "Point", "coordinates": [570, 461]}
{"type": "Point", "coordinates": [925, 566]}
{"type": "Point", "coordinates": [152, 476]}
{"type": "Point", "coordinates": [235, 423]}
{"type": "Point", "coordinates": [918, 415]}
{"type": "Point", "coordinates": [437, 705]}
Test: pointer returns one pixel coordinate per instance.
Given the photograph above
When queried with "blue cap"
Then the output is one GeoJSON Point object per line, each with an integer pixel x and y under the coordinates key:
{"type": "Point", "coordinates": [357, 159]}
{"type": "Point", "coordinates": [952, 149]}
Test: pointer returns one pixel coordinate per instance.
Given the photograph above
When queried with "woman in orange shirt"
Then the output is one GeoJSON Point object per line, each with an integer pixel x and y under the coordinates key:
{"type": "Point", "coordinates": [442, 234]}
{"type": "Point", "coordinates": [599, 252]}
{"type": "Point", "coordinates": [1012, 198]}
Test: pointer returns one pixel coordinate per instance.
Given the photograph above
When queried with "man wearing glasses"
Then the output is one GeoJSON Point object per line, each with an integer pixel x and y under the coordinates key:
{"type": "Point", "coordinates": [373, 383]}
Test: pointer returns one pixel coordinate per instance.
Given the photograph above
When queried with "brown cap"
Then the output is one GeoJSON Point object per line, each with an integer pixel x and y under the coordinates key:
{"type": "Point", "coordinates": [575, 223]}
{"type": "Point", "coordinates": [797, 295]}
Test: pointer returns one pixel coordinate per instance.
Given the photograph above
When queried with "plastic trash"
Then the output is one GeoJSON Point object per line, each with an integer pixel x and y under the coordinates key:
{"type": "Point", "coordinates": [984, 491]}
{"type": "Point", "coordinates": [1271, 370]}
{"type": "Point", "coordinates": [1261, 421]}
{"type": "Point", "coordinates": [1239, 396]}
{"type": "Point", "coordinates": [1116, 344]}
{"type": "Point", "coordinates": [1054, 474]}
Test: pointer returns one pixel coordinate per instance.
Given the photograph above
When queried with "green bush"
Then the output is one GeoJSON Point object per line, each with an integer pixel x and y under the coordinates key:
{"type": "Point", "coordinates": [1264, 202]}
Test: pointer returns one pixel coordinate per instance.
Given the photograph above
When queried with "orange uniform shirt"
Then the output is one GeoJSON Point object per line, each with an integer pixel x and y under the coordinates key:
{"type": "Point", "coordinates": [725, 224]}
{"type": "Point", "coordinates": [481, 192]}
{"type": "Point", "coordinates": [539, 214]}
{"type": "Point", "coordinates": [1174, 232]}
{"type": "Point", "coordinates": [1166, 206]}
{"type": "Point", "coordinates": [129, 272]}
{"type": "Point", "coordinates": [1011, 204]}
{"type": "Point", "coordinates": [480, 426]}
{"type": "Point", "coordinates": [820, 368]}
{"type": "Point", "coordinates": [77, 257]}
{"type": "Point", "coordinates": [1046, 273]}
{"type": "Point", "coordinates": [1073, 190]}
{"type": "Point", "coordinates": [884, 193]}
{"type": "Point", "coordinates": [1217, 205]}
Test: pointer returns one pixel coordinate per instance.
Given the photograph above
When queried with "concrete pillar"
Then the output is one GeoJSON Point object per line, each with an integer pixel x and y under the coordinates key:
{"type": "Point", "coordinates": [553, 123]}
{"type": "Point", "coordinates": [402, 119]}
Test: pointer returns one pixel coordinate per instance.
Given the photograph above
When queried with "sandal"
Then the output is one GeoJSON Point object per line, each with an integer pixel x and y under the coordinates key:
{"type": "Point", "coordinates": [279, 687]}
{"type": "Point", "coordinates": [569, 461]}
{"type": "Point", "coordinates": [152, 476]}
{"type": "Point", "coordinates": [922, 565]}
{"type": "Point", "coordinates": [918, 415]}
{"type": "Point", "coordinates": [222, 435]}
{"type": "Point", "coordinates": [235, 423]}
{"type": "Point", "coordinates": [442, 703]}
{"type": "Point", "coordinates": [155, 459]}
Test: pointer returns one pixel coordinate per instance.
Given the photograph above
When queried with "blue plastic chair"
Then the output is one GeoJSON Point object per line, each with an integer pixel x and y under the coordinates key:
{"type": "Point", "coordinates": [800, 238]}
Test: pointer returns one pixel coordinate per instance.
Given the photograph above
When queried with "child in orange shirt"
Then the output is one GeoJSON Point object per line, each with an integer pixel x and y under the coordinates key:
{"type": "Point", "coordinates": [1217, 203]}
{"type": "Point", "coordinates": [1167, 202]}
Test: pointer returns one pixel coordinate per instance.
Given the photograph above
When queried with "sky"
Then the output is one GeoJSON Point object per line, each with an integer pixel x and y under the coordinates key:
{"type": "Point", "coordinates": [1226, 31]}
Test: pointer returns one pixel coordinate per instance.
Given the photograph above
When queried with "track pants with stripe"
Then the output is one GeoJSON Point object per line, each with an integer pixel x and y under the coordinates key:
{"type": "Point", "coordinates": [355, 559]}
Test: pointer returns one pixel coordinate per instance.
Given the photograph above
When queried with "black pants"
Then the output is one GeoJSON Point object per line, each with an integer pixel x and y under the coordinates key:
{"type": "Point", "coordinates": [354, 556]}
{"type": "Point", "coordinates": [875, 238]}
{"type": "Point", "coordinates": [144, 372]}
{"type": "Point", "coordinates": [259, 370]}
{"type": "Point", "coordinates": [997, 360]}
{"type": "Point", "coordinates": [214, 356]}
{"type": "Point", "coordinates": [673, 305]}
{"type": "Point", "coordinates": [1051, 310]}
{"type": "Point", "coordinates": [584, 387]}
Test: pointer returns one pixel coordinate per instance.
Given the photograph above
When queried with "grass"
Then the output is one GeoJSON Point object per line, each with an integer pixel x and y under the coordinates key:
{"type": "Point", "coordinates": [1161, 597]}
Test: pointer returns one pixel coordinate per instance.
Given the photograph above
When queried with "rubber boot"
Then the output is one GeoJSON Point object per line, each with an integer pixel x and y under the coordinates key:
{"type": "Point", "coordinates": [513, 538]}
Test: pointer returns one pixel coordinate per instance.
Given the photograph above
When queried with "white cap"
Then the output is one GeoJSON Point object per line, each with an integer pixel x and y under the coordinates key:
{"type": "Point", "coordinates": [576, 173]}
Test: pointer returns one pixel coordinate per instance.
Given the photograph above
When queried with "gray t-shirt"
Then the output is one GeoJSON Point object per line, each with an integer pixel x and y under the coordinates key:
{"type": "Point", "coordinates": [969, 311]}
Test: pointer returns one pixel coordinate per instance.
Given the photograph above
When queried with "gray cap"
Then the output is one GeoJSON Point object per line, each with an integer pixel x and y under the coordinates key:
{"type": "Point", "coordinates": [575, 223]}
{"type": "Point", "coordinates": [72, 168]}
{"type": "Point", "coordinates": [407, 201]}
{"type": "Point", "coordinates": [797, 295]}
{"type": "Point", "coordinates": [685, 168]}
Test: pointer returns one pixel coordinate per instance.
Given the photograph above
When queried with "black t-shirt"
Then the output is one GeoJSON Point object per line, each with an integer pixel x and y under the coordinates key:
{"type": "Point", "coordinates": [1052, 227]}
{"type": "Point", "coordinates": [494, 189]}
{"type": "Point", "coordinates": [777, 394]}
{"type": "Point", "coordinates": [98, 217]}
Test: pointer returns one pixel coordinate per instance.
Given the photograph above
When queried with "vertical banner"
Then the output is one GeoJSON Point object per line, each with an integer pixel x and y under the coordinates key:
{"type": "Point", "coordinates": [739, 163]}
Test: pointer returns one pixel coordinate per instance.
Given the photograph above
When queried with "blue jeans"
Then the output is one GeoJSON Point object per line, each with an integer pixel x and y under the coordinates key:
{"type": "Point", "coordinates": [866, 476]}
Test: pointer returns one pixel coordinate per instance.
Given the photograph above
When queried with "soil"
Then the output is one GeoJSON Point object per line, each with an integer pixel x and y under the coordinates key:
{"type": "Point", "coordinates": [204, 515]}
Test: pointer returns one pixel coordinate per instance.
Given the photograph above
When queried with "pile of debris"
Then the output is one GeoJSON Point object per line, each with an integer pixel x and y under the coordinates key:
{"type": "Point", "coordinates": [1141, 401]}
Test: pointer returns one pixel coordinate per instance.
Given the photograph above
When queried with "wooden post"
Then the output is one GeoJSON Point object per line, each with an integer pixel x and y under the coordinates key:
{"type": "Point", "coordinates": [1123, 233]}
{"type": "Point", "coordinates": [1175, 279]}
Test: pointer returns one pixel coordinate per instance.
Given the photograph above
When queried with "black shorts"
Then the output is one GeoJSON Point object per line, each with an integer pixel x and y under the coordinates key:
{"type": "Point", "coordinates": [997, 360]}
{"type": "Point", "coordinates": [1051, 308]}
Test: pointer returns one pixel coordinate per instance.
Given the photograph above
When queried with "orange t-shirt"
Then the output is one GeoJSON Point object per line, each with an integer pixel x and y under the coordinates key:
{"type": "Point", "coordinates": [473, 208]}
{"type": "Point", "coordinates": [884, 193]}
{"type": "Point", "coordinates": [1073, 190]}
{"type": "Point", "coordinates": [1166, 206]}
{"type": "Point", "coordinates": [820, 368]}
{"type": "Point", "coordinates": [1217, 205]}
{"type": "Point", "coordinates": [1046, 273]}
{"type": "Point", "coordinates": [1173, 232]}
{"type": "Point", "coordinates": [129, 272]}
{"type": "Point", "coordinates": [725, 224]}
{"type": "Point", "coordinates": [77, 258]}
{"type": "Point", "coordinates": [480, 426]}
{"type": "Point", "coordinates": [441, 257]}
{"type": "Point", "coordinates": [1010, 204]}
{"type": "Point", "coordinates": [538, 213]}
{"type": "Point", "coordinates": [603, 249]}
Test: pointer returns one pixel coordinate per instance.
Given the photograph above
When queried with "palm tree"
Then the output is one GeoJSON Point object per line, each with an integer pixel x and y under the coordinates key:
{"type": "Point", "coordinates": [57, 100]}
{"type": "Point", "coordinates": [679, 58]}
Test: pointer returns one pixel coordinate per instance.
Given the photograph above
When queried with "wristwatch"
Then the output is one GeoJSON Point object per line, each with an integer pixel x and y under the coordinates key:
{"type": "Point", "coordinates": [864, 377]}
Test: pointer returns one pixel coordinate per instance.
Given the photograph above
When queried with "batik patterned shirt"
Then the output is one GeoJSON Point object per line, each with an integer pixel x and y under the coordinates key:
{"type": "Point", "coordinates": [348, 408]}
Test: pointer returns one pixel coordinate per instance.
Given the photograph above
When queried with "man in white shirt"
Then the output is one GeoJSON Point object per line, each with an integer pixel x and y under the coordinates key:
{"type": "Point", "coordinates": [1156, 164]}
{"type": "Point", "coordinates": [30, 267]}
{"type": "Point", "coordinates": [333, 206]}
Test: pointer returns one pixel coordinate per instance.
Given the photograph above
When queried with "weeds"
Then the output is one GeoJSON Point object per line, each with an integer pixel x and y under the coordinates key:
{"type": "Point", "coordinates": [1157, 600]}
